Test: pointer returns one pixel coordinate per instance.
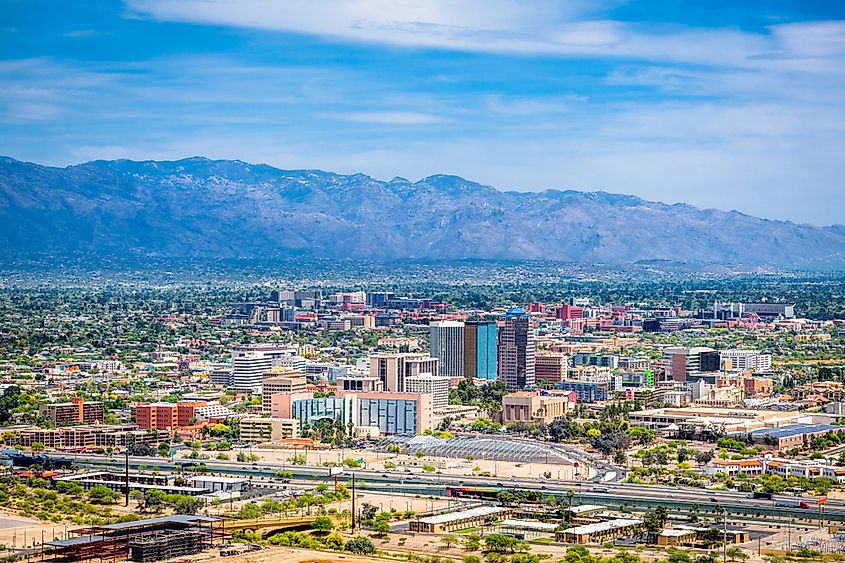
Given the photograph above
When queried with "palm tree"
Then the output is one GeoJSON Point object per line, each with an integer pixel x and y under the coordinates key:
{"type": "Point", "coordinates": [735, 553]}
{"type": "Point", "coordinates": [570, 494]}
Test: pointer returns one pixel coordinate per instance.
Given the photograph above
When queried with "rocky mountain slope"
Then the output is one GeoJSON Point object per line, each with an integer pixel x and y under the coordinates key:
{"type": "Point", "coordinates": [200, 207]}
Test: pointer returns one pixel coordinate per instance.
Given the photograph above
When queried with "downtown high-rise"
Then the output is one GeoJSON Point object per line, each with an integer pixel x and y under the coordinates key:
{"type": "Point", "coordinates": [480, 350]}
{"type": "Point", "coordinates": [516, 350]}
{"type": "Point", "coordinates": [447, 345]}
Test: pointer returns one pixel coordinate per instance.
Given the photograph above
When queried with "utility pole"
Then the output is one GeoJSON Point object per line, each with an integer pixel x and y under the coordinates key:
{"type": "Point", "coordinates": [725, 538]}
{"type": "Point", "coordinates": [353, 503]}
{"type": "Point", "coordinates": [789, 537]}
{"type": "Point", "coordinates": [126, 477]}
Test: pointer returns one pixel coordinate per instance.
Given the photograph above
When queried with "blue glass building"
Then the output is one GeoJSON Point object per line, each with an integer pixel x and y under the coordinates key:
{"type": "Point", "coordinates": [480, 350]}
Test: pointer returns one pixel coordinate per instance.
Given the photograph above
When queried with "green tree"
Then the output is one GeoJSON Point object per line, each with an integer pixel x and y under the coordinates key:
{"type": "Point", "coordinates": [503, 543]}
{"type": "Point", "coordinates": [472, 542]}
{"type": "Point", "coordinates": [705, 457]}
{"type": "Point", "coordinates": [250, 511]}
{"type": "Point", "coordinates": [323, 524]}
{"type": "Point", "coordinates": [677, 556]}
{"type": "Point", "coordinates": [360, 545]}
{"type": "Point", "coordinates": [185, 504]}
{"type": "Point", "coordinates": [449, 540]}
{"type": "Point", "coordinates": [335, 541]}
{"type": "Point", "coordinates": [381, 527]}
{"type": "Point", "coordinates": [100, 494]}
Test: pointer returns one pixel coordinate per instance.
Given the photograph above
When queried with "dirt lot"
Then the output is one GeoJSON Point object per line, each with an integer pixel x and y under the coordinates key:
{"type": "Point", "coordinates": [282, 555]}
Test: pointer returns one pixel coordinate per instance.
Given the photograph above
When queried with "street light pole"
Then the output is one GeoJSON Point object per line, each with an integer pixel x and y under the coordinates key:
{"type": "Point", "coordinates": [353, 503]}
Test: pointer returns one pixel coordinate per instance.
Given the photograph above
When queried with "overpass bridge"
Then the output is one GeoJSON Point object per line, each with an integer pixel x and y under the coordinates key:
{"type": "Point", "coordinates": [268, 526]}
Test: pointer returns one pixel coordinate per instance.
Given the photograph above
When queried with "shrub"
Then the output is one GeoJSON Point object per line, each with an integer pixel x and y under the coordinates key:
{"type": "Point", "coordinates": [360, 545]}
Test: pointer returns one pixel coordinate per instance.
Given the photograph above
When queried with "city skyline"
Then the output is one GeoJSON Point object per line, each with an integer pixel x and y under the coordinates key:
{"type": "Point", "coordinates": [732, 106]}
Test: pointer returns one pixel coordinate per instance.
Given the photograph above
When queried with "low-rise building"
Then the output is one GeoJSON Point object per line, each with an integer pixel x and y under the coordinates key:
{"type": "Point", "coordinates": [729, 421]}
{"type": "Point", "coordinates": [82, 437]}
{"type": "Point", "coordinates": [256, 430]}
{"type": "Point", "coordinates": [77, 411]}
{"type": "Point", "coordinates": [537, 406]}
{"type": "Point", "coordinates": [478, 516]}
{"type": "Point", "coordinates": [587, 391]}
{"type": "Point", "coordinates": [215, 484]}
{"type": "Point", "coordinates": [137, 482]}
{"type": "Point", "coordinates": [797, 435]}
{"type": "Point", "coordinates": [768, 464]}
{"type": "Point", "coordinates": [600, 532]}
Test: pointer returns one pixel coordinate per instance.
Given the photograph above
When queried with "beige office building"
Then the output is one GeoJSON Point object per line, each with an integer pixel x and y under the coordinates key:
{"type": "Point", "coordinates": [531, 406]}
{"type": "Point", "coordinates": [281, 384]}
{"type": "Point", "coordinates": [393, 368]}
{"type": "Point", "coordinates": [256, 430]}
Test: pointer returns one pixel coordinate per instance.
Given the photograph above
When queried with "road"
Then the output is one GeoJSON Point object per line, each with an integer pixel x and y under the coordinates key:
{"type": "Point", "coordinates": [678, 500]}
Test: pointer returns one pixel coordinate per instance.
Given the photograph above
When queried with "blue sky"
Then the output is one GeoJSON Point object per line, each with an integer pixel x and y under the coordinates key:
{"type": "Point", "coordinates": [720, 104]}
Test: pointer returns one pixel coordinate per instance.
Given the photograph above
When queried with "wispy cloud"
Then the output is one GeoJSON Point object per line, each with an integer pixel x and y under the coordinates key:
{"type": "Point", "coordinates": [388, 117]}
{"type": "Point", "coordinates": [508, 26]}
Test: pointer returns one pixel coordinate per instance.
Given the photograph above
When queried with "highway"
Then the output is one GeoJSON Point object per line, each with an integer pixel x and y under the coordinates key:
{"type": "Point", "coordinates": [678, 500]}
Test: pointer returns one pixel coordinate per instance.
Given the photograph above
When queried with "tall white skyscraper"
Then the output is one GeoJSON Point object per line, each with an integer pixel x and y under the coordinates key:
{"type": "Point", "coordinates": [248, 369]}
{"type": "Point", "coordinates": [447, 344]}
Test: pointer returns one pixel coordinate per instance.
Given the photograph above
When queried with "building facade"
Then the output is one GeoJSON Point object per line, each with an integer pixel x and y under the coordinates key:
{"type": "Point", "coordinates": [447, 345]}
{"type": "Point", "coordinates": [681, 362]}
{"type": "Point", "coordinates": [285, 384]}
{"type": "Point", "coordinates": [256, 430]}
{"type": "Point", "coordinates": [436, 386]}
{"type": "Point", "coordinates": [248, 369]}
{"type": "Point", "coordinates": [77, 411]}
{"type": "Point", "coordinates": [393, 368]}
{"type": "Point", "coordinates": [551, 367]}
{"type": "Point", "coordinates": [516, 350]}
{"type": "Point", "coordinates": [480, 350]}
{"type": "Point", "coordinates": [536, 406]}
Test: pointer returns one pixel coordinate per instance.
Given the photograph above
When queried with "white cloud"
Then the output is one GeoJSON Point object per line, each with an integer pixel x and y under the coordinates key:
{"type": "Point", "coordinates": [509, 26]}
{"type": "Point", "coordinates": [388, 117]}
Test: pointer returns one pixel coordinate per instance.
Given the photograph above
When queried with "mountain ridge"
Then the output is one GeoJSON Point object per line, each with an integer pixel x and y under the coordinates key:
{"type": "Point", "coordinates": [230, 208]}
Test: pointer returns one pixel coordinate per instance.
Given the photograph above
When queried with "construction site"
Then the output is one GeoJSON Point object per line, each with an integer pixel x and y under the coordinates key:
{"type": "Point", "coordinates": [163, 546]}
{"type": "Point", "coordinates": [152, 539]}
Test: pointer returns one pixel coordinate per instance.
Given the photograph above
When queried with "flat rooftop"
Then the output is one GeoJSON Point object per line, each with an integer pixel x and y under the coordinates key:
{"type": "Point", "coordinates": [604, 526]}
{"type": "Point", "coordinates": [477, 512]}
{"type": "Point", "coordinates": [529, 525]}
{"type": "Point", "coordinates": [215, 479]}
{"type": "Point", "coordinates": [584, 508]}
{"type": "Point", "coordinates": [794, 430]}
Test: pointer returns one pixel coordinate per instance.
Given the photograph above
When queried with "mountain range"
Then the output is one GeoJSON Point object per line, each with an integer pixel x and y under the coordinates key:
{"type": "Point", "coordinates": [231, 209]}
